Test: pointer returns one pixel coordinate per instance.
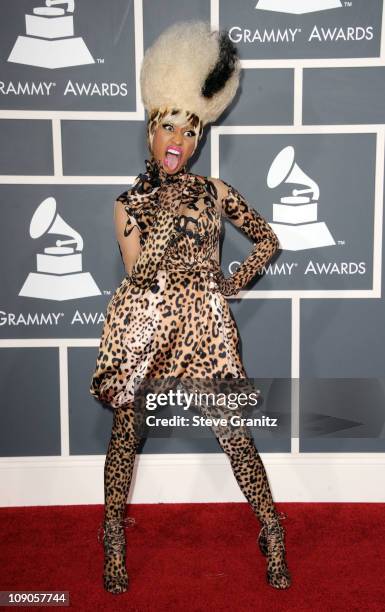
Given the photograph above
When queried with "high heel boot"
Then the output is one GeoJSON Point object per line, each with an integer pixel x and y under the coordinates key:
{"type": "Point", "coordinates": [271, 542]}
{"type": "Point", "coordinates": [115, 576]}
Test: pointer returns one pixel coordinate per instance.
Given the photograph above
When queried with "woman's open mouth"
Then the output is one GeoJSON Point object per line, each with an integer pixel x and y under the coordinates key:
{"type": "Point", "coordinates": [173, 157]}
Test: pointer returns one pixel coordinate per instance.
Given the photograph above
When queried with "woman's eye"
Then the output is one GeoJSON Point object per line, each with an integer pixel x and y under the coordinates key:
{"type": "Point", "coordinates": [167, 125]}
{"type": "Point", "coordinates": [190, 132]}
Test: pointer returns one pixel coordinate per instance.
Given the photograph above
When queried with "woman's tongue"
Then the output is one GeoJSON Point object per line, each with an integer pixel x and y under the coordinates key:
{"type": "Point", "coordinates": [171, 160]}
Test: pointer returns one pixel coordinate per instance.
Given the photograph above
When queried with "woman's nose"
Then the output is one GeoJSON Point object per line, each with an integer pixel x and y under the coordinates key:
{"type": "Point", "coordinates": [177, 137]}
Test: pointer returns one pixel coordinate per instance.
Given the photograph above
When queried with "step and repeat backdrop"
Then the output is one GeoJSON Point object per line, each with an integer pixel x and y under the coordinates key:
{"type": "Point", "coordinates": [304, 143]}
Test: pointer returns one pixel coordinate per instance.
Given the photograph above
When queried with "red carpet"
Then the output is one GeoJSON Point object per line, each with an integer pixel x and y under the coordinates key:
{"type": "Point", "coordinates": [195, 557]}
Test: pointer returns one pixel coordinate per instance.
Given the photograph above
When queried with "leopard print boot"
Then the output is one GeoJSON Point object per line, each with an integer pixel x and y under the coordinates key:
{"type": "Point", "coordinates": [115, 576]}
{"type": "Point", "coordinates": [272, 545]}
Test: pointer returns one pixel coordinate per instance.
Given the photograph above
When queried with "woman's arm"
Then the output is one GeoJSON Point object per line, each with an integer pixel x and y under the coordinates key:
{"type": "Point", "coordinates": [141, 261]}
{"type": "Point", "coordinates": [128, 236]}
{"type": "Point", "coordinates": [235, 208]}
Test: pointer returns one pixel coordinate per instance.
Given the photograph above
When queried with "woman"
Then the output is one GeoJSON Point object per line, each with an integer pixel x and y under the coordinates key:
{"type": "Point", "coordinates": [169, 316]}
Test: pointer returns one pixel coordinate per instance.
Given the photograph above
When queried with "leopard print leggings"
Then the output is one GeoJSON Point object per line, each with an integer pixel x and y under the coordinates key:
{"type": "Point", "coordinates": [246, 464]}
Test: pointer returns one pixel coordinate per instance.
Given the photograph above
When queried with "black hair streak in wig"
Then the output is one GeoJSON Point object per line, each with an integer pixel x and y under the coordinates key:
{"type": "Point", "coordinates": [223, 69]}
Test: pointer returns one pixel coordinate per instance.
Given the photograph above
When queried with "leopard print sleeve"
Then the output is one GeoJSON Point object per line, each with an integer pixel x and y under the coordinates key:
{"type": "Point", "coordinates": [254, 226]}
{"type": "Point", "coordinates": [153, 244]}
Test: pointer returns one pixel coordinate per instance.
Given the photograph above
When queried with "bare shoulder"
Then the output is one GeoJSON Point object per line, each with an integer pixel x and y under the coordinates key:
{"type": "Point", "coordinates": [219, 184]}
{"type": "Point", "coordinates": [221, 189]}
{"type": "Point", "coordinates": [217, 188]}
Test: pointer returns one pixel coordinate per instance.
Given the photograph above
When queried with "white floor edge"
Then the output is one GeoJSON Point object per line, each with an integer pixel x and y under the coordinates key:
{"type": "Point", "coordinates": [183, 478]}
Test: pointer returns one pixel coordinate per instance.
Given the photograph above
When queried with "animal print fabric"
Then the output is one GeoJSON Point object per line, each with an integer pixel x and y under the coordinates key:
{"type": "Point", "coordinates": [169, 317]}
{"type": "Point", "coordinates": [236, 209]}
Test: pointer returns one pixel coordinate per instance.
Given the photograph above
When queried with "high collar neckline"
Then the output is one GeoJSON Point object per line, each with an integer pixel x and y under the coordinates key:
{"type": "Point", "coordinates": [158, 174]}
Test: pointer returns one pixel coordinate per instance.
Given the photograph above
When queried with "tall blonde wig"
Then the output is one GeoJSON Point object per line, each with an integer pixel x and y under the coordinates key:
{"type": "Point", "coordinates": [190, 75]}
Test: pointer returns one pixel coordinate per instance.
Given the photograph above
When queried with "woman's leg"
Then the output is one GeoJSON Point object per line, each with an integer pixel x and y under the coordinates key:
{"type": "Point", "coordinates": [118, 470]}
{"type": "Point", "coordinates": [246, 464]}
{"type": "Point", "coordinates": [248, 469]}
{"type": "Point", "coordinates": [252, 479]}
{"type": "Point", "coordinates": [250, 474]}
{"type": "Point", "coordinates": [119, 463]}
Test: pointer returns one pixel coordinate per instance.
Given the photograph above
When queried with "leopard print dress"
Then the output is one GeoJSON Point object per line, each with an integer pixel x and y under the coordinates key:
{"type": "Point", "coordinates": [169, 318]}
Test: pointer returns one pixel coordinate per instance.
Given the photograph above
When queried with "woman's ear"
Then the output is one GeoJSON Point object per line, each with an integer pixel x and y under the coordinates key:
{"type": "Point", "coordinates": [149, 138]}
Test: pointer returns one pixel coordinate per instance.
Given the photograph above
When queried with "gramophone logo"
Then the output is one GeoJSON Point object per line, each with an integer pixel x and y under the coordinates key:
{"type": "Point", "coordinates": [297, 7]}
{"type": "Point", "coordinates": [50, 41]}
{"type": "Point", "coordinates": [295, 216]}
{"type": "Point", "coordinates": [59, 273]}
